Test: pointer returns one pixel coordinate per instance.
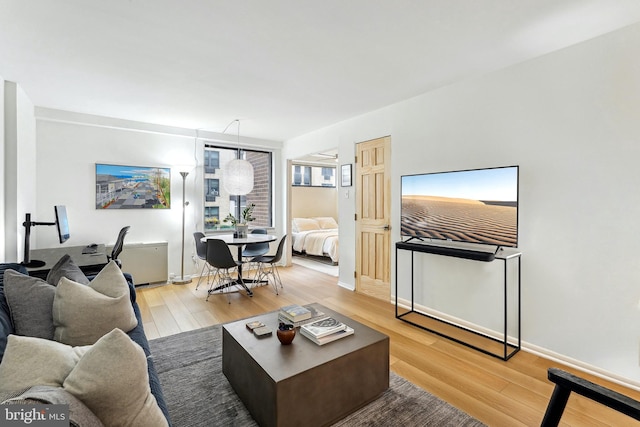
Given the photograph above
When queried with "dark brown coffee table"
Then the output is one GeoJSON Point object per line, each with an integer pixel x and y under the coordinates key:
{"type": "Point", "coordinates": [304, 384]}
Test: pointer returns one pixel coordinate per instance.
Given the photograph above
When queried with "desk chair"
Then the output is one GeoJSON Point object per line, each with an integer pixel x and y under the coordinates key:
{"type": "Point", "coordinates": [219, 257]}
{"type": "Point", "coordinates": [201, 251]}
{"type": "Point", "coordinates": [253, 250]}
{"type": "Point", "coordinates": [271, 269]}
{"type": "Point", "coordinates": [117, 248]}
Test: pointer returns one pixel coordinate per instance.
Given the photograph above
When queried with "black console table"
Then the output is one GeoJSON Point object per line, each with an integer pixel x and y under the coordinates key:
{"type": "Point", "coordinates": [502, 348]}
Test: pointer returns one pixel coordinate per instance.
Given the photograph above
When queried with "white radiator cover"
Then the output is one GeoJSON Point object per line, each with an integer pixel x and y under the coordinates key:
{"type": "Point", "coordinates": [146, 262]}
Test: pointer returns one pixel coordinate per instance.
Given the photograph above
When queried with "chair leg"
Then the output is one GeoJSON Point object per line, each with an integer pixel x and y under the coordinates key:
{"type": "Point", "coordinates": [201, 272]}
{"type": "Point", "coordinates": [556, 406]}
{"type": "Point", "coordinates": [277, 274]}
{"type": "Point", "coordinates": [272, 273]}
{"type": "Point", "coordinates": [224, 282]}
{"type": "Point", "coordinates": [220, 281]}
{"type": "Point", "coordinates": [259, 273]}
{"type": "Point", "coordinates": [216, 279]}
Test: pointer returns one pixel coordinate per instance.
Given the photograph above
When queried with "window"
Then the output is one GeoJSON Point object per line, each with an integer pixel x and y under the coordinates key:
{"type": "Point", "coordinates": [212, 189]}
{"type": "Point", "coordinates": [218, 203]}
{"type": "Point", "coordinates": [211, 217]}
{"type": "Point", "coordinates": [328, 179]}
{"type": "Point", "coordinates": [314, 176]}
{"type": "Point", "coordinates": [211, 161]}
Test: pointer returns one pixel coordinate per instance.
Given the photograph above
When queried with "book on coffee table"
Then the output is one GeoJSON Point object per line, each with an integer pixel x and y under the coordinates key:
{"type": "Point", "coordinates": [323, 327]}
{"type": "Point", "coordinates": [295, 312]}
{"type": "Point", "coordinates": [328, 338]}
{"type": "Point", "coordinates": [315, 314]}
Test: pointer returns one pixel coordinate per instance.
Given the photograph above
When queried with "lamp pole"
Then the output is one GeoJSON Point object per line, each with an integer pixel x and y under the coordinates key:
{"type": "Point", "coordinates": [181, 280]}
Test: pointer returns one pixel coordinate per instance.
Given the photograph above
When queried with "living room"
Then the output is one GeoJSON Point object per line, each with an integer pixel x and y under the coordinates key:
{"type": "Point", "coordinates": [568, 118]}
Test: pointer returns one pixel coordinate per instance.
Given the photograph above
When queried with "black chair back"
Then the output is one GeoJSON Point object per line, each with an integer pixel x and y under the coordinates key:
{"type": "Point", "coordinates": [201, 247]}
{"type": "Point", "coordinates": [219, 255]}
{"type": "Point", "coordinates": [117, 248]}
{"type": "Point", "coordinates": [278, 255]}
{"type": "Point", "coordinates": [256, 249]}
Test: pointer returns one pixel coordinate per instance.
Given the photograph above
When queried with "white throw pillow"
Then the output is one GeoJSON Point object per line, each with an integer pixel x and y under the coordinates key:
{"type": "Point", "coordinates": [305, 224]}
{"type": "Point", "coordinates": [112, 380]}
{"type": "Point", "coordinates": [110, 377]}
{"type": "Point", "coordinates": [84, 313]}
{"type": "Point", "coordinates": [326, 222]}
{"type": "Point", "coordinates": [30, 361]}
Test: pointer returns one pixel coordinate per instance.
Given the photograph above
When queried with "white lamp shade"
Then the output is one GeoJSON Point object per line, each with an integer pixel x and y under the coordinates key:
{"type": "Point", "coordinates": [237, 177]}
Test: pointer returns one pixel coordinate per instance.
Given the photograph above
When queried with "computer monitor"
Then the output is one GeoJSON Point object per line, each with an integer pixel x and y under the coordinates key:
{"type": "Point", "coordinates": [62, 223]}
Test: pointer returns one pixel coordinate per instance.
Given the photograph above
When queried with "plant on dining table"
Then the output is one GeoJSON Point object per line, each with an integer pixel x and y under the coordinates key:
{"type": "Point", "coordinates": [245, 217]}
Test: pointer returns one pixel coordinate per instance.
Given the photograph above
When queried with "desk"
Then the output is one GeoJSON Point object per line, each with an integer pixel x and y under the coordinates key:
{"type": "Point", "coordinates": [88, 263]}
{"type": "Point", "coordinates": [240, 242]}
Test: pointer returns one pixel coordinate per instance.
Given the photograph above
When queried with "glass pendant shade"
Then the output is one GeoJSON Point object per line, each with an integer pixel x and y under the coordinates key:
{"type": "Point", "coordinates": [238, 177]}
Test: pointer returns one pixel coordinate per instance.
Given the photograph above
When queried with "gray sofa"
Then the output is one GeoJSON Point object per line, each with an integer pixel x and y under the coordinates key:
{"type": "Point", "coordinates": [67, 269]}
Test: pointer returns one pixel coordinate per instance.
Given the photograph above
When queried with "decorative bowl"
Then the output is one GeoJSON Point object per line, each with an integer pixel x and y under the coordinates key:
{"type": "Point", "coordinates": [286, 333]}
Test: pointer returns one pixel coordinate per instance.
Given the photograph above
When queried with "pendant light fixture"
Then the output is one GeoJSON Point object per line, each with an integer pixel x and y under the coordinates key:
{"type": "Point", "coordinates": [237, 175]}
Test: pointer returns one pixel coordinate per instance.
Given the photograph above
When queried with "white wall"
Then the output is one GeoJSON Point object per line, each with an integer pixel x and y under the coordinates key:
{"type": "Point", "coordinates": [68, 147]}
{"type": "Point", "coordinates": [314, 201]}
{"type": "Point", "coordinates": [3, 177]}
{"type": "Point", "coordinates": [18, 160]}
{"type": "Point", "coordinates": [570, 120]}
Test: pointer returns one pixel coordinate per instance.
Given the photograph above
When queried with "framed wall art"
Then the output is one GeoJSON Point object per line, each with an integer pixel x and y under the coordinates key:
{"type": "Point", "coordinates": [132, 187]}
{"type": "Point", "coordinates": [346, 175]}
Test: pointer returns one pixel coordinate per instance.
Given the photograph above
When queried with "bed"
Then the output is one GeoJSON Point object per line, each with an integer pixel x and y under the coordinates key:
{"type": "Point", "coordinates": [316, 236]}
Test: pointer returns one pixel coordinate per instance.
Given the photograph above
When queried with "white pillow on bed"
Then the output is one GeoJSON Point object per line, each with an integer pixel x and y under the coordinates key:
{"type": "Point", "coordinates": [305, 224]}
{"type": "Point", "coordinates": [326, 222]}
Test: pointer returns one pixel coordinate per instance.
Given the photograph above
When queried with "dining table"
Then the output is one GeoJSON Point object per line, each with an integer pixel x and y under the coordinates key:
{"type": "Point", "coordinates": [240, 242]}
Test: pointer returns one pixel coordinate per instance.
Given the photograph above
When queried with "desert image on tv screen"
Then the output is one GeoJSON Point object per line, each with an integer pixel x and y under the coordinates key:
{"type": "Point", "coordinates": [477, 206]}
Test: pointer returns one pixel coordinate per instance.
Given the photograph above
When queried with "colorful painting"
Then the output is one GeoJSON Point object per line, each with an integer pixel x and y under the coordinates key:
{"type": "Point", "coordinates": [132, 187]}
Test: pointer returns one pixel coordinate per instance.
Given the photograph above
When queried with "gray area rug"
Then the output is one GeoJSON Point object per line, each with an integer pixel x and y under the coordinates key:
{"type": "Point", "coordinates": [198, 394]}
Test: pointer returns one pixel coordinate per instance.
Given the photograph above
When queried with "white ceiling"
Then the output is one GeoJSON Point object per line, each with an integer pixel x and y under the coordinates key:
{"type": "Point", "coordinates": [284, 67]}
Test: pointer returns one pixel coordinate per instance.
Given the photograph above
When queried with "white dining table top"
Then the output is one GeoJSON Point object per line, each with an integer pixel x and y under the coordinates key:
{"type": "Point", "coordinates": [251, 238]}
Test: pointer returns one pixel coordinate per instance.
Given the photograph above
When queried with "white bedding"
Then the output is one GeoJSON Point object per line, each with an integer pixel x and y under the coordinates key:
{"type": "Point", "coordinates": [317, 242]}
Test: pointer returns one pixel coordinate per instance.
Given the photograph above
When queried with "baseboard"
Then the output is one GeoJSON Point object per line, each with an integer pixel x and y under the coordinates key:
{"type": "Point", "coordinates": [581, 366]}
{"type": "Point", "coordinates": [534, 349]}
{"type": "Point", "coordinates": [349, 286]}
{"type": "Point", "coordinates": [406, 304]}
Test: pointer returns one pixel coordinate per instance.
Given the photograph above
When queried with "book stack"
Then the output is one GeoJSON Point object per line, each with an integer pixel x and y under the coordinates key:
{"type": "Point", "coordinates": [295, 314]}
{"type": "Point", "coordinates": [285, 316]}
{"type": "Point", "coordinates": [325, 330]}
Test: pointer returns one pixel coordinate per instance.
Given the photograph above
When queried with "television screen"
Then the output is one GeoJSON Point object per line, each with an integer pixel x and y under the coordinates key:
{"type": "Point", "coordinates": [62, 223]}
{"type": "Point", "coordinates": [471, 206]}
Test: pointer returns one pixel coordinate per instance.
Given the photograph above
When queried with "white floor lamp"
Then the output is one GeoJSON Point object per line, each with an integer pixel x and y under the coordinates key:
{"type": "Point", "coordinates": [182, 280]}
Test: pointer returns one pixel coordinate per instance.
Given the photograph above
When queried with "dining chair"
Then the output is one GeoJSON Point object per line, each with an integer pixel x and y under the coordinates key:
{"type": "Point", "coordinates": [267, 266]}
{"type": "Point", "coordinates": [219, 257]}
{"type": "Point", "coordinates": [201, 251]}
{"type": "Point", "coordinates": [252, 250]}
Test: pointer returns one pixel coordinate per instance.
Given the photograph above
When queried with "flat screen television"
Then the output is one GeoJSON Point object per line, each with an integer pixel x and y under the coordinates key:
{"type": "Point", "coordinates": [62, 223]}
{"type": "Point", "coordinates": [471, 206]}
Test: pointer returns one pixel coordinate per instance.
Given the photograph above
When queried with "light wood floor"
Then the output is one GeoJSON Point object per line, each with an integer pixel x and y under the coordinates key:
{"type": "Point", "coordinates": [512, 393]}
